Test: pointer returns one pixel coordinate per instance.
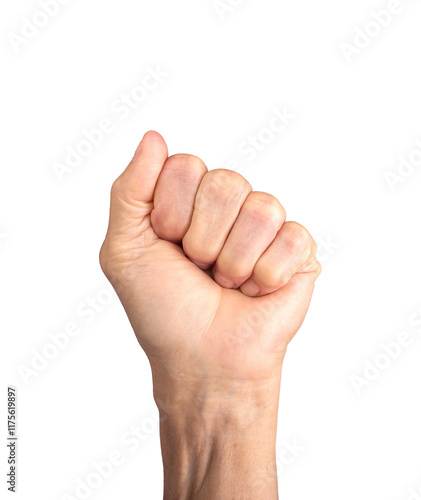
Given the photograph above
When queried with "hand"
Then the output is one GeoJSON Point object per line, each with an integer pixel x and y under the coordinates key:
{"type": "Point", "coordinates": [215, 284]}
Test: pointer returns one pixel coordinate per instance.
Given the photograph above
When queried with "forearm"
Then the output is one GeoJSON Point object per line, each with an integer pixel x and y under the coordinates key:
{"type": "Point", "coordinates": [220, 445]}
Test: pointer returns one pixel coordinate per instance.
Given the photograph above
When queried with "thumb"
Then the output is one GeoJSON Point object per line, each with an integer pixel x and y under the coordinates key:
{"type": "Point", "coordinates": [132, 193]}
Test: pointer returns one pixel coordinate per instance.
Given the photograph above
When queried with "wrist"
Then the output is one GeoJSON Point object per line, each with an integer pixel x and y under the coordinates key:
{"type": "Point", "coordinates": [218, 438]}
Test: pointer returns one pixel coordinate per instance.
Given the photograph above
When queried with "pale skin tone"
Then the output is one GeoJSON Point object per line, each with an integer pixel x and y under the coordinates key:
{"type": "Point", "coordinates": [215, 283]}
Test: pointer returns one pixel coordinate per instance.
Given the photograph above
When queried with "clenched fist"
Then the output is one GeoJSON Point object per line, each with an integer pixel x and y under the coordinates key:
{"type": "Point", "coordinates": [215, 283]}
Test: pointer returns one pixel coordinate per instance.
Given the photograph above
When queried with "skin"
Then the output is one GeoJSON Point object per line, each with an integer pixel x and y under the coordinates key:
{"type": "Point", "coordinates": [215, 283]}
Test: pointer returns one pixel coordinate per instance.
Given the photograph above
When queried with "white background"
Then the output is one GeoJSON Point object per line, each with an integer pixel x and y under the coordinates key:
{"type": "Point", "coordinates": [225, 73]}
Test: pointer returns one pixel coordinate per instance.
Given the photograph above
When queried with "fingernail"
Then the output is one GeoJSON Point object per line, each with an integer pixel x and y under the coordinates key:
{"type": "Point", "coordinates": [250, 288]}
{"type": "Point", "coordinates": [204, 267]}
{"type": "Point", "coordinates": [226, 283]}
{"type": "Point", "coordinates": [138, 150]}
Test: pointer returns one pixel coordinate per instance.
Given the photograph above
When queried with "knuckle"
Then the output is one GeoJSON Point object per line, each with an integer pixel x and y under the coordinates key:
{"type": "Point", "coordinates": [266, 207]}
{"type": "Point", "coordinates": [227, 176]}
{"type": "Point", "coordinates": [296, 236]}
{"type": "Point", "coordinates": [224, 182]}
{"type": "Point", "coordinates": [182, 161]}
